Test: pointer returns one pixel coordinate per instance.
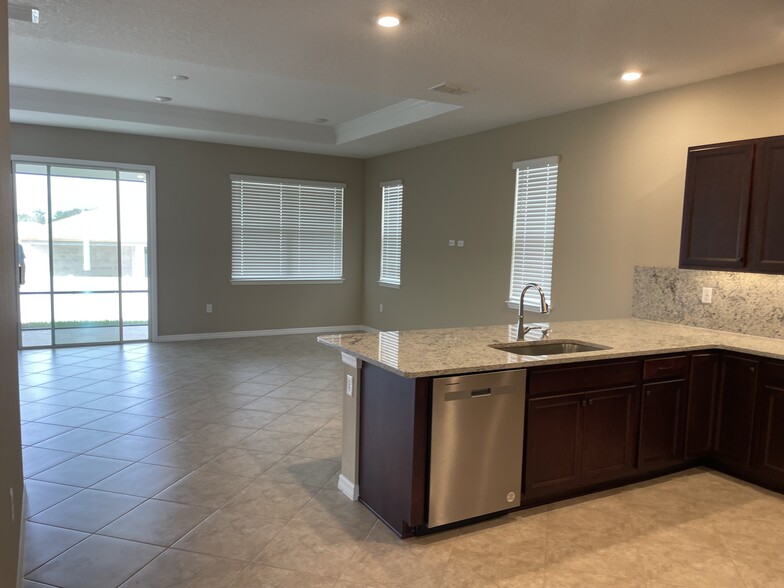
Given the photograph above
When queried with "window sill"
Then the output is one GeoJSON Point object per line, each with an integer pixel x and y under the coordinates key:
{"type": "Point", "coordinates": [283, 282]}
{"type": "Point", "coordinates": [388, 285]}
{"type": "Point", "coordinates": [534, 309]}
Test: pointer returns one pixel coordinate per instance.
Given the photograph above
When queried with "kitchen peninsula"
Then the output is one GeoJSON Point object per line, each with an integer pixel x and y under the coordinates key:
{"type": "Point", "coordinates": [656, 398]}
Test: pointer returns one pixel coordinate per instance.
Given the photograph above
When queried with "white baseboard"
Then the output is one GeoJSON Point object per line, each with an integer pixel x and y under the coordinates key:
{"type": "Point", "coordinates": [23, 519]}
{"type": "Point", "coordinates": [348, 487]}
{"type": "Point", "coordinates": [264, 333]}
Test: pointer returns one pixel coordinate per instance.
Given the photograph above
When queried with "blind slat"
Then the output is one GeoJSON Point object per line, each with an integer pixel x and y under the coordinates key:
{"type": "Point", "coordinates": [286, 229]}
{"type": "Point", "coordinates": [391, 231]}
{"type": "Point", "coordinates": [534, 228]}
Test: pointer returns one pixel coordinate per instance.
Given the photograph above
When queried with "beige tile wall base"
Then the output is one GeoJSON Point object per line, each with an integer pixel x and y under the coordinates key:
{"type": "Point", "coordinates": [263, 333]}
{"type": "Point", "coordinates": [752, 304]}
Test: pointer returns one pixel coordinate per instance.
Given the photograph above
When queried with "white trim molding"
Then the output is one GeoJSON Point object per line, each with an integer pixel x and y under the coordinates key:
{"type": "Point", "coordinates": [263, 333]}
{"type": "Point", "coordinates": [22, 518]}
{"type": "Point", "coordinates": [348, 487]}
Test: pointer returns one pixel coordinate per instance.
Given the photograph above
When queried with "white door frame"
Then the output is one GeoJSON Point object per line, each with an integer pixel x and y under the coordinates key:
{"type": "Point", "coordinates": [152, 268]}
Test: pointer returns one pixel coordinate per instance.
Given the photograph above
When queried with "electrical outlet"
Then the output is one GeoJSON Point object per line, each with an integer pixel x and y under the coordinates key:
{"type": "Point", "coordinates": [707, 295]}
{"type": "Point", "coordinates": [451, 242]}
{"type": "Point", "coordinates": [209, 308]}
{"type": "Point", "coordinates": [460, 243]}
{"type": "Point", "coordinates": [349, 385]}
{"type": "Point", "coordinates": [380, 308]}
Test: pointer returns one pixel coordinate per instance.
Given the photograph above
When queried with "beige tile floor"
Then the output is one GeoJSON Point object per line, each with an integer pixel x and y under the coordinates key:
{"type": "Point", "coordinates": [214, 464]}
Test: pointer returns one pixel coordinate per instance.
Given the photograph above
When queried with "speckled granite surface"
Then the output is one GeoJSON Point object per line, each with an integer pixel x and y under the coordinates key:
{"type": "Point", "coordinates": [743, 303]}
{"type": "Point", "coordinates": [453, 351]}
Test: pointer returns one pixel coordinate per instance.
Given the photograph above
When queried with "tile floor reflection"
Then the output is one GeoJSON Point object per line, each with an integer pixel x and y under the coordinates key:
{"type": "Point", "coordinates": [214, 464]}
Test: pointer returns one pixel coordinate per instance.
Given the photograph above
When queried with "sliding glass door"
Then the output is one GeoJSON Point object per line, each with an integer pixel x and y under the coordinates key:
{"type": "Point", "coordinates": [83, 253]}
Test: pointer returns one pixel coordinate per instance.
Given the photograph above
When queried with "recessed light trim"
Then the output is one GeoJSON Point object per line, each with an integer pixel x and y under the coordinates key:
{"type": "Point", "coordinates": [388, 20]}
{"type": "Point", "coordinates": [180, 78]}
{"type": "Point", "coordinates": [631, 76]}
{"type": "Point", "coordinates": [163, 99]}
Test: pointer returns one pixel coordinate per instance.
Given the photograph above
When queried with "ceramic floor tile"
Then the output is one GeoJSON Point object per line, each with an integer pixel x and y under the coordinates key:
{"type": "Point", "coordinates": [168, 429]}
{"type": "Point", "coordinates": [290, 392]}
{"type": "Point", "coordinates": [300, 425]}
{"type": "Point", "coordinates": [231, 534]}
{"type": "Point", "coordinates": [182, 568]}
{"type": "Point", "coordinates": [82, 470]}
{"type": "Point", "coordinates": [37, 410]}
{"type": "Point", "coordinates": [267, 498]}
{"type": "Point", "coordinates": [72, 398]}
{"type": "Point", "coordinates": [331, 508]}
{"type": "Point", "coordinates": [241, 462]}
{"type": "Point", "coordinates": [74, 417]}
{"type": "Point", "coordinates": [273, 405]}
{"type": "Point", "coordinates": [113, 403]}
{"type": "Point", "coordinates": [87, 511]}
{"type": "Point", "coordinates": [142, 479]}
{"type": "Point", "coordinates": [184, 455]}
{"type": "Point", "coordinates": [216, 434]}
{"type": "Point", "coordinates": [33, 433]}
{"type": "Point", "coordinates": [96, 562]}
{"type": "Point", "coordinates": [129, 447]}
{"type": "Point", "coordinates": [157, 522]}
{"type": "Point", "coordinates": [257, 575]}
{"type": "Point", "coordinates": [41, 495]}
{"type": "Point", "coordinates": [317, 447]}
{"type": "Point", "coordinates": [273, 441]}
{"type": "Point", "coordinates": [254, 419]}
{"type": "Point", "coordinates": [78, 440]}
{"type": "Point", "coordinates": [294, 469]}
{"type": "Point", "coordinates": [37, 459]}
{"type": "Point", "coordinates": [121, 422]}
{"type": "Point", "coordinates": [44, 542]}
{"type": "Point", "coordinates": [204, 488]}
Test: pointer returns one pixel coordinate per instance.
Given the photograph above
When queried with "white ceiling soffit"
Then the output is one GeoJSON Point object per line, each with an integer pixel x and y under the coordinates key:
{"type": "Point", "coordinates": [263, 73]}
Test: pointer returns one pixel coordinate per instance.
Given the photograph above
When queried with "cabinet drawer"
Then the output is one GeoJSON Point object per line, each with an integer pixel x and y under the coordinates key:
{"type": "Point", "coordinates": [674, 366]}
{"type": "Point", "coordinates": [582, 377]}
{"type": "Point", "coordinates": [773, 374]}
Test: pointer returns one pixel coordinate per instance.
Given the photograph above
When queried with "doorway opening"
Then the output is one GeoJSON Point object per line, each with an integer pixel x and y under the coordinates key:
{"type": "Point", "coordinates": [85, 252]}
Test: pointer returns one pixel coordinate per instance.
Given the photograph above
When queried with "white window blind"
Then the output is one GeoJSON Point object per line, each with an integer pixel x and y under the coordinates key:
{"type": "Point", "coordinates": [534, 229]}
{"type": "Point", "coordinates": [285, 230]}
{"type": "Point", "coordinates": [391, 231]}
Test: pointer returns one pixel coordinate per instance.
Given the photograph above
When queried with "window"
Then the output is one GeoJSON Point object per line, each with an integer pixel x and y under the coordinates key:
{"type": "Point", "coordinates": [391, 232]}
{"type": "Point", "coordinates": [286, 230]}
{"type": "Point", "coordinates": [534, 229]}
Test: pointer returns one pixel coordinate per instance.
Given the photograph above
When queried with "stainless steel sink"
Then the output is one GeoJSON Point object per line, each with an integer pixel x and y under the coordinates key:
{"type": "Point", "coordinates": [547, 347]}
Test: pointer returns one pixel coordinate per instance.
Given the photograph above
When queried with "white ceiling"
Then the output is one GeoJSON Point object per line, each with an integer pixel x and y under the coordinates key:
{"type": "Point", "coordinates": [262, 71]}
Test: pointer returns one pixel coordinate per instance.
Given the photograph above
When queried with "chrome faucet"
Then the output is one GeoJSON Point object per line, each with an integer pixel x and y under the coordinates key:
{"type": "Point", "coordinates": [544, 308]}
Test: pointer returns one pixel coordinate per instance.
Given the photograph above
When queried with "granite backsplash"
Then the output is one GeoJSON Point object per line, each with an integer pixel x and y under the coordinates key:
{"type": "Point", "coordinates": [752, 304]}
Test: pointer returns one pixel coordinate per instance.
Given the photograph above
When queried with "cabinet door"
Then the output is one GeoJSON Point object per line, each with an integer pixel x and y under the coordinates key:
{"type": "Point", "coordinates": [769, 431]}
{"type": "Point", "coordinates": [716, 206]}
{"type": "Point", "coordinates": [701, 406]}
{"type": "Point", "coordinates": [609, 434]}
{"type": "Point", "coordinates": [552, 447]}
{"type": "Point", "coordinates": [766, 237]}
{"type": "Point", "coordinates": [662, 423]}
{"type": "Point", "coordinates": [737, 391]}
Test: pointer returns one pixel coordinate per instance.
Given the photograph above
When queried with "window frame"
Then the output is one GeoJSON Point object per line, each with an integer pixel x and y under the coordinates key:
{"type": "Point", "coordinates": [338, 212]}
{"type": "Point", "coordinates": [390, 247]}
{"type": "Point", "coordinates": [547, 199]}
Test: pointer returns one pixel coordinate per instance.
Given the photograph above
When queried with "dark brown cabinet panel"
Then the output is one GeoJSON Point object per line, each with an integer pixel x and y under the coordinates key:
{"type": "Point", "coordinates": [609, 434]}
{"type": "Point", "coordinates": [737, 396]}
{"type": "Point", "coordinates": [662, 424]}
{"type": "Point", "coordinates": [716, 206]}
{"type": "Point", "coordinates": [393, 425]}
{"type": "Point", "coordinates": [766, 237]}
{"type": "Point", "coordinates": [701, 407]}
{"type": "Point", "coordinates": [552, 448]}
{"type": "Point", "coordinates": [769, 457]}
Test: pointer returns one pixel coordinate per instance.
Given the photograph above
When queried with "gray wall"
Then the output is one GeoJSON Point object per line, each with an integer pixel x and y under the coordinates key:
{"type": "Point", "coordinates": [619, 202]}
{"type": "Point", "coordinates": [194, 230]}
{"type": "Point", "coordinates": [10, 442]}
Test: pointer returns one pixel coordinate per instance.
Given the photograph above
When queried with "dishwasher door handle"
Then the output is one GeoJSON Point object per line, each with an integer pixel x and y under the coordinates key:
{"type": "Point", "coordinates": [481, 392]}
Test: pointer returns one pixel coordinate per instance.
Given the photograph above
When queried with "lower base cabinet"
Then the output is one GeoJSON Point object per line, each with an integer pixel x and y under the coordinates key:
{"type": "Point", "coordinates": [662, 424]}
{"type": "Point", "coordinates": [736, 410]}
{"type": "Point", "coordinates": [769, 453]}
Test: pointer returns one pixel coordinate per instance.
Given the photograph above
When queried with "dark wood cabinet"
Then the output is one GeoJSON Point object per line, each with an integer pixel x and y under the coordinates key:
{"type": "Point", "coordinates": [662, 423]}
{"type": "Point", "coordinates": [736, 403]}
{"type": "Point", "coordinates": [701, 406]}
{"type": "Point", "coordinates": [582, 426]}
{"type": "Point", "coordinates": [734, 206]}
{"type": "Point", "coordinates": [766, 237]}
{"type": "Point", "coordinates": [769, 454]}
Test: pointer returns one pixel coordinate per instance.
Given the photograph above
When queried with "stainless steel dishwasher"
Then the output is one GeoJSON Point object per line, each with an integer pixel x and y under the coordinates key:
{"type": "Point", "coordinates": [476, 445]}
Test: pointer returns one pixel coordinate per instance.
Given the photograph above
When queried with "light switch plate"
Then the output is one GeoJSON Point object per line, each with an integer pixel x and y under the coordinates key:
{"type": "Point", "coordinates": [707, 295]}
{"type": "Point", "coordinates": [349, 385]}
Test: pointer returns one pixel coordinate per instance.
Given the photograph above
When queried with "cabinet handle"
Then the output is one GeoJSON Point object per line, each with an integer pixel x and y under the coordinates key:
{"type": "Point", "coordinates": [590, 402]}
{"type": "Point", "coordinates": [647, 392]}
{"type": "Point", "coordinates": [752, 369]}
{"type": "Point", "coordinates": [585, 403]}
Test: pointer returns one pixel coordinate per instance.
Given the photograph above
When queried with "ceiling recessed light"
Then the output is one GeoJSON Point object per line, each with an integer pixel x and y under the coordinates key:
{"type": "Point", "coordinates": [180, 78]}
{"type": "Point", "coordinates": [162, 99]}
{"type": "Point", "coordinates": [631, 76]}
{"type": "Point", "coordinates": [388, 20]}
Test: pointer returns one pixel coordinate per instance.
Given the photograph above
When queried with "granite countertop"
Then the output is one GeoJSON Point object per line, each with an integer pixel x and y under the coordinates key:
{"type": "Point", "coordinates": [435, 352]}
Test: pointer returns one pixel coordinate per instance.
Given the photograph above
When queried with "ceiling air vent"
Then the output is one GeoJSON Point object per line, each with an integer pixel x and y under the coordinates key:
{"type": "Point", "coordinates": [453, 88]}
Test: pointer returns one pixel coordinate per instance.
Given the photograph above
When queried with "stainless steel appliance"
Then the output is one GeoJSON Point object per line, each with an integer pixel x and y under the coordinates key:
{"type": "Point", "coordinates": [476, 445]}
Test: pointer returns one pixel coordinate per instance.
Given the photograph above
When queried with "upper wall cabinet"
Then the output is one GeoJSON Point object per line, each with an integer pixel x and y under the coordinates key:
{"type": "Point", "coordinates": [733, 205]}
